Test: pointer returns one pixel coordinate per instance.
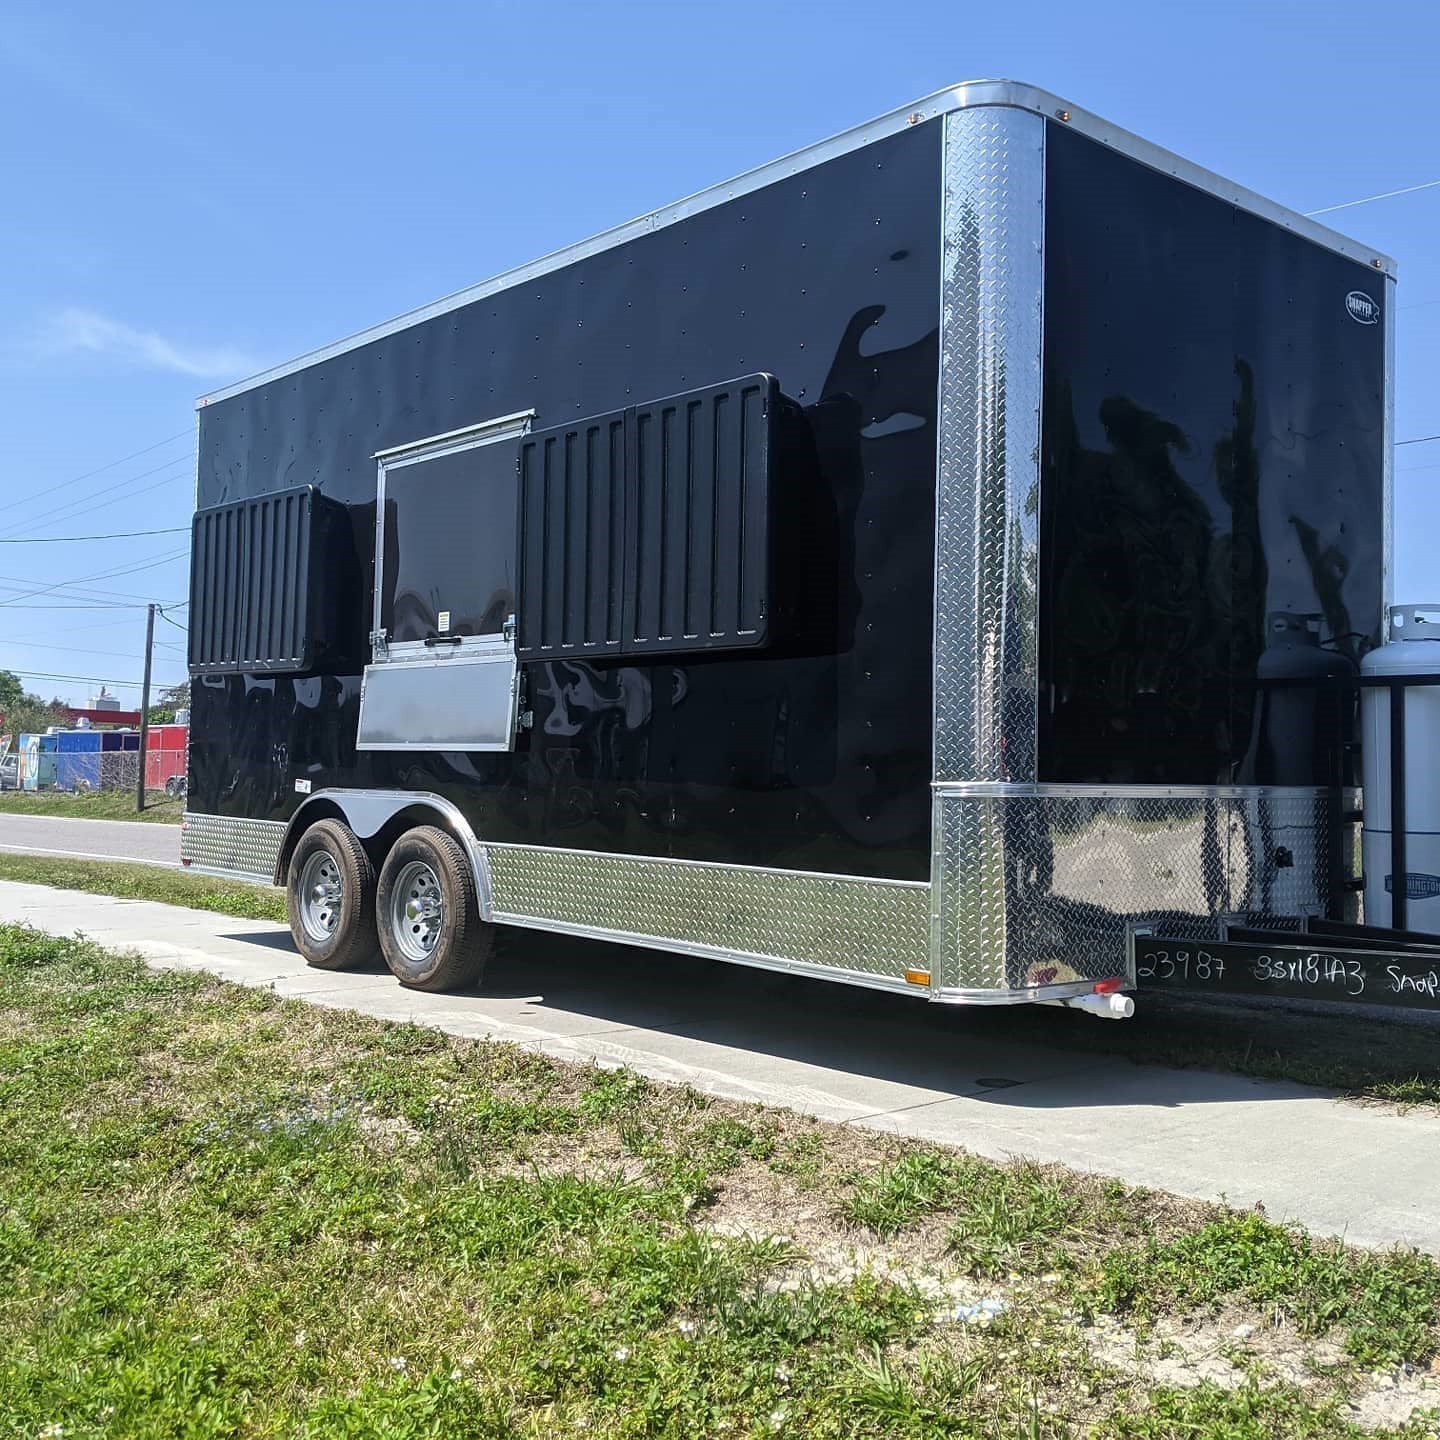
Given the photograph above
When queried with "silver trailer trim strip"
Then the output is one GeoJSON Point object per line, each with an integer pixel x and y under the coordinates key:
{"type": "Point", "coordinates": [987, 514]}
{"type": "Point", "coordinates": [987, 500]}
{"type": "Point", "coordinates": [846, 927]}
{"type": "Point", "coordinates": [1387, 450]}
{"type": "Point", "coordinates": [972, 94]}
{"type": "Point", "coordinates": [231, 845]}
{"type": "Point", "coordinates": [1041, 885]}
{"type": "Point", "coordinates": [518, 423]}
{"type": "Point", "coordinates": [985, 788]}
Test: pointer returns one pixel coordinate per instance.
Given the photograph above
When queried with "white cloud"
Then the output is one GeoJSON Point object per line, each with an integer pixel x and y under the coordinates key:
{"type": "Point", "coordinates": [75, 331]}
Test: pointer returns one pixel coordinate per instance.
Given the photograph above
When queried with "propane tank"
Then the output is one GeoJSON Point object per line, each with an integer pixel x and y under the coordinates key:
{"type": "Point", "coordinates": [1298, 728]}
{"type": "Point", "coordinates": [1413, 649]}
{"type": "Point", "coordinates": [1298, 731]}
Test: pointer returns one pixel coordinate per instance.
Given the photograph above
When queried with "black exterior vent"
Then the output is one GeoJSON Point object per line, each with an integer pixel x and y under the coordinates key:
{"type": "Point", "coordinates": [258, 601]}
{"type": "Point", "coordinates": [572, 538]}
{"type": "Point", "coordinates": [647, 531]}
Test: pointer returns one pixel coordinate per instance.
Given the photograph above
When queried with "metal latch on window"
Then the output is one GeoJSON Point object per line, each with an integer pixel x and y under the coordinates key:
{"type": "Point", "coordinates": [379, 649]}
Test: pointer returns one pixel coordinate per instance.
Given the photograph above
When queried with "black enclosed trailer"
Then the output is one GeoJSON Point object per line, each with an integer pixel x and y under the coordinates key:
{"type": "Point", "coordinates": [862, 568]}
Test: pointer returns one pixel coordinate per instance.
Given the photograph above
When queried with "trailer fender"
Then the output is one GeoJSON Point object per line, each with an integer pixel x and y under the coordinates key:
{"type": "Point", "coordinates": [369, 813]}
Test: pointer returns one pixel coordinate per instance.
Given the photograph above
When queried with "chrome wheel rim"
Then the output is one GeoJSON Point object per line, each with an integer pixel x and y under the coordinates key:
{"type": "Point", "coordinates": [417, 911]}
{"type": "Point", "coordinates": [322, 893]}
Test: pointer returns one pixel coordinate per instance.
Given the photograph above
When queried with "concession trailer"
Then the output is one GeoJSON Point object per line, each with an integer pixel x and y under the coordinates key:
{"type": "Point", "coordinates": [940, 560]}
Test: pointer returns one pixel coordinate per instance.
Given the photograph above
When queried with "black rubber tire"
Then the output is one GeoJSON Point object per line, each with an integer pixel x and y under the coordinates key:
{"type": "Point", "coordinates": [465, 942]}
{"type": "Point", "coordinates": [353, 940]}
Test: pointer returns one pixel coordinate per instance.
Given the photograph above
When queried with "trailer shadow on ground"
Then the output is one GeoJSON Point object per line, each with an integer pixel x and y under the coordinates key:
{"type": "Point", "coordinates": [724, 1016]}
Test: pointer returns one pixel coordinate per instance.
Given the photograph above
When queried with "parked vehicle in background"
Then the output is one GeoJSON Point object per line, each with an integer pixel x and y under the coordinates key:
{"type": "Point", "coordinates": [10, 772]}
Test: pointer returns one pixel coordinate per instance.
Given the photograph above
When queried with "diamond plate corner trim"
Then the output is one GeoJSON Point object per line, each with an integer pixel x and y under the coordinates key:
{"type": "Point", "coordinates": [988, 468]}
{"type": "Point", "coordinates": [968, 898]}
{"type": "Point", "coordinates": [1040, 889]}
{"type": "Point", "coordinates": [247, 848]}
{"type": "Point", "coordinates": [844, 926]}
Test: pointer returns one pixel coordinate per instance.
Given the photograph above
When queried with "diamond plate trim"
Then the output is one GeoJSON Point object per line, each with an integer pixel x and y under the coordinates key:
{"type": "Point", "coordinates": [847, 927]}
{"type": "Point", "coordinates": [247, 848]}
{"type": "Point", "coordinates": [988, 469]}
{"type": "Point", "coordinates": [1037, 889]}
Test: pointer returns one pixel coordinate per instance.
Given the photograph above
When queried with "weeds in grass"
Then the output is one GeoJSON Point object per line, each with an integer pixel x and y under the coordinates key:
{"type": "Point", "coordinates": [916, 1184]}
{"type": "Point", "coordinates": [801, 1158]}
{"type": "Point", "coordinates": [1387, 1305]}
{"type": "Point", "coordinates": [1014, 1218]}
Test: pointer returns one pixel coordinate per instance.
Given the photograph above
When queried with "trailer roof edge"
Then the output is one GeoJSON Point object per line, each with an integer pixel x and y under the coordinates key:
{"type": "Point", "coordinates": [969, 94]}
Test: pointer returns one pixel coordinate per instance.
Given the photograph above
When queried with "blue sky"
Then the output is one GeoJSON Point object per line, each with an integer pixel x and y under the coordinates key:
{"type": "Point", "coordinates": [193, 192]}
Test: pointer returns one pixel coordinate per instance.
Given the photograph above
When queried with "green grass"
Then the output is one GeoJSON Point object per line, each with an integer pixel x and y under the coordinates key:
{"type": "Point", "coordinates": [97, 805]}
{"type": "Point", "coordinates": [1386, 1306]}
{"type": "Point", "coordinates": [223, 1214]}
{"type": "Point", "coordinates": [147, 882]}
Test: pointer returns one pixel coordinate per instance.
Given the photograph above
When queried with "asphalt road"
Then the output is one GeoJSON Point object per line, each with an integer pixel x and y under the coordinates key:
{"type": "Point", "coordinates": [860, 1057]}
{"type": "Point", "coordinates": [133, 840]}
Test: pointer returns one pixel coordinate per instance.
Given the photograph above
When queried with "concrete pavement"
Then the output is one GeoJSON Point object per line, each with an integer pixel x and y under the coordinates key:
{"type": "Point", "coordinates": [890, 1063]}
{"type": "Point", "coordinates": [141, 842]}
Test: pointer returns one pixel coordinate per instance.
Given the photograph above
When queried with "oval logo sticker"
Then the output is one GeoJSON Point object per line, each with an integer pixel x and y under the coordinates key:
{"type": "Point", "coordinates": [1362, 308]}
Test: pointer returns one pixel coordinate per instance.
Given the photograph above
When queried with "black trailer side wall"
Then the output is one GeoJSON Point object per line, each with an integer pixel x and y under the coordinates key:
{"type": "Point", "coordinates": [814, 756]}
{"type": "Point", "coordinates": [1212, 454]}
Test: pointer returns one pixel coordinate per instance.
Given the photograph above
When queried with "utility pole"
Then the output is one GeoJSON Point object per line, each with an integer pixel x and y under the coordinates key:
{"type": "Point", "coordinates": [145, 709]}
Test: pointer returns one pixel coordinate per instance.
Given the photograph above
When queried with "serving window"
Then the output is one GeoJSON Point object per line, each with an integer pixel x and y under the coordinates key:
{"type": "Point", "coordinates": [443, 672]}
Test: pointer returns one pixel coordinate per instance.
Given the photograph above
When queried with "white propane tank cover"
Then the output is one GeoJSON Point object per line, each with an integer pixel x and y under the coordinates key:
{"type": "Point", "coordinates": [1411, 650]}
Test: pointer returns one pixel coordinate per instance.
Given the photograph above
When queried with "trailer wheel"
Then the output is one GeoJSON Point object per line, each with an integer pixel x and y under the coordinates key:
{"type": "Point", "coordinates": [428, 914]}
{"type": "Point", "coordinates": [330, 897]}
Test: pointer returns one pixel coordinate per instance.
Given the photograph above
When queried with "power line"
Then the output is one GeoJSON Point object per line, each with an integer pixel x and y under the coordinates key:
{"type": "Point", "coordinates": [160, 609]}
{"type": "Point", "coordinates": [1388, 195]}
{"type": "Point", "coordinates": [1418, 440]}
{"type": "Point", "coordinates": [85, 679]}
{"type": "Point", "coordinates": [75, 590]}
{"type": "Point", "coordinates": [102, 598]}
{"type": "Point", "coordinates": [68, 648]}
{"type": "Point", "coordinates": [73, 539]}
{"type": "Point", "coordinates": [101, 469]}
{"type": "Point", "coordinates": [31, 640]}
{"type": "Point", "coordinates": [113, 605]}
{"type": "Point", "coordinates": [100, 575]}
{"type": "Point", "coordinates": [88, 503]}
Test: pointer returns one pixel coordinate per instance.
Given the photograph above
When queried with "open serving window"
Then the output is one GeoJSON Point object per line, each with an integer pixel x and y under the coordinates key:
{"type": "Point", "coordinates": [443, 673]}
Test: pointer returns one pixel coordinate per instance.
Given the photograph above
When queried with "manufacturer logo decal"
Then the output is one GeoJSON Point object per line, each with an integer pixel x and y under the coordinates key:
{"type": "Point", "coordinates": [1417, 886]}
{"type": "Point", "coordinates": [1361, 308]}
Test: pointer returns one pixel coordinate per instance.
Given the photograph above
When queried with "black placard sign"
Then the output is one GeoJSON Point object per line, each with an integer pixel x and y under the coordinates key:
{"type": "Point", "coordinates": [1297, 967]}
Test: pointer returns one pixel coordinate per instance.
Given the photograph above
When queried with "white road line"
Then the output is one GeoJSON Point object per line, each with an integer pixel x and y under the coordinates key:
{"type": "Point", "coordinates": [91, 855]}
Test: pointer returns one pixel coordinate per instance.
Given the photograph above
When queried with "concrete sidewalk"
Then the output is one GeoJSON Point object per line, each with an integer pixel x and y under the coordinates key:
{"type": "Point", "coordinates": [857, 1057]}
